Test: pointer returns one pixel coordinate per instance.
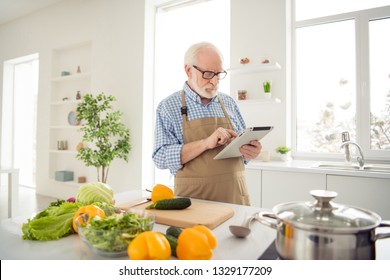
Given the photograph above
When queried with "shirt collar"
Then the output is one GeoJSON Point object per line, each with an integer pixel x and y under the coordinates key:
{"type": "Point", "coordinates": [194, 96]}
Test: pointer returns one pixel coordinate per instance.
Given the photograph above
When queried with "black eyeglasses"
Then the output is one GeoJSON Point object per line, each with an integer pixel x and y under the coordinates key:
{"type": "Point", "coordinates": [208, 75]}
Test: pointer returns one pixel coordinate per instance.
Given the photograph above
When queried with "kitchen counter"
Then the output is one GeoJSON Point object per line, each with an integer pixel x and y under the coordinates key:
{"type": "Point", "coordinates": [13, 247]}
{"type": "Point", "coordinates": [307, 167]}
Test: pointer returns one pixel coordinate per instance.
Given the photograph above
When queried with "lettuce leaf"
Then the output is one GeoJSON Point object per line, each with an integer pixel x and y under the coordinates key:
{"type": "Point", "coordinates": [52, 223]}
{"type": "Point", "coordinates": [115, 232]}
{"type": "Point", "coordinates": [108, 208]}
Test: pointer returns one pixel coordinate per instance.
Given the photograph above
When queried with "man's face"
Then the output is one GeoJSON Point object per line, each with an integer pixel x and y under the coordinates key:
{"type": "Point", "coordinates": [208, 60]}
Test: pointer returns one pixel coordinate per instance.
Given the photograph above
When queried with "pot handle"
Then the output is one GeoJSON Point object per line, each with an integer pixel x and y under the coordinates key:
{"type": "Point", "coordinates": [267, 218]}
{"type": "Point", "coordinates": [383, 235]}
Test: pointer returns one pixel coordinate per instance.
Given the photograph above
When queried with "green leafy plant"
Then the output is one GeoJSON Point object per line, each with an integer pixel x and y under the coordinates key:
{"type": "Point", "coordinates": [105, 136]}
{"type": "Point", "coordinates": [267, 86]}
{"type": "Point", "coordinates": [283, 150]}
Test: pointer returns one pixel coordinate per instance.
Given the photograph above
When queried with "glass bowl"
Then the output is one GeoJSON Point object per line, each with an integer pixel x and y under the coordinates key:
{"type": "Point", "coordinates": [110, 236]}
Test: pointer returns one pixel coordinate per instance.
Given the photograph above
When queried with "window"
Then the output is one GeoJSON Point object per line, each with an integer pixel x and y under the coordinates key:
{"type": "Point", "coordinates": [20, 94]}
{"type": "Point", "coordinates": [309, 9]}
{"type": "Point", "coordinates": [342, 80]}
{"type": "Point", "coordinates": [326, 81]}
{"type": "Point", "coordinates": [176, 30]}
{"type": "Point", "coordinates": [379, 84]}
{"type": "Point", "coordinates": [178, 27]}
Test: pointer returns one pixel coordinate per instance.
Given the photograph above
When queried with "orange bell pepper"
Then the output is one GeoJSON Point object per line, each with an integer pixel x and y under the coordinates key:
{"type": "Point", "coordinates": [196, 243]}
{"type": "Point", "coordinates": [149, 245]}
{"type": "Point", "coordinates": [87, 212]}
{"type": "Point", "coordinates": [160, 192]}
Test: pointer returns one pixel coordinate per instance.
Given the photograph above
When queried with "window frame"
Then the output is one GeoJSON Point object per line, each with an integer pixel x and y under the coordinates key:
{"type": "Point", "coordinates": [362, 19]}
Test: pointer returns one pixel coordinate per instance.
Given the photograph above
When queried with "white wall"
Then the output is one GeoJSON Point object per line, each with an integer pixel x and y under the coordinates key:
{"type": "Point", "coordinates": [116, 31]}
{"type": "Point", "coordinates": [258, 31]}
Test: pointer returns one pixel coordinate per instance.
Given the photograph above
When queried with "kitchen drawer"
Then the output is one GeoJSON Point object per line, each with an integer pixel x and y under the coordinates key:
{"type": "Point", "coordinates": [369, 193]}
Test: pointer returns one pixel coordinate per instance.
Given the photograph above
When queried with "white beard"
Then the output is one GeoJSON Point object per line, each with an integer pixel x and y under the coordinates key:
{"type": "Point", "coordinates": [208, 92]}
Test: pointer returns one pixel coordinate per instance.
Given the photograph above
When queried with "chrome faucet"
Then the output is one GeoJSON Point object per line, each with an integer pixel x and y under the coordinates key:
{"type": "Point", "coordinates": [347, 153]}
{"type": "Point", "coordinates": [360, 159]}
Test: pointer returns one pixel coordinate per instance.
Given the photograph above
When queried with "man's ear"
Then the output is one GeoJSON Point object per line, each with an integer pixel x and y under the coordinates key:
{"type": "Point", "coordinates": [188, 70]}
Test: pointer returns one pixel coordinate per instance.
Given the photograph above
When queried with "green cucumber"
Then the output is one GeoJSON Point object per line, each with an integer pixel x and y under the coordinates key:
{"type": "Point", "coordinates": [171, 204]}
{"type": "Point", "coordinates": [173, 243]}
{"type": "Point", "coordinates": [174, 231]}
{"type": "Point", "coordinates": [172, 234]}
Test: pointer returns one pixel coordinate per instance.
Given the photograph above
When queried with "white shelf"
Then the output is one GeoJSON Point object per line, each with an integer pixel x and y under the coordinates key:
{"type": "Point", "coordinates": [65, 152]}
{"type": "Point", "coordinates": [65, 126]}
{"type": "Point", "coordinates": [66, 102]}
{"type": "Point", "coordinates": [246, 68]}
{"type": "Point", "coordinates": [263, 100]}
{"type": "Point", "coordinates": [70, 57]}
{"type": "Point", "coordinates": [71, 77]}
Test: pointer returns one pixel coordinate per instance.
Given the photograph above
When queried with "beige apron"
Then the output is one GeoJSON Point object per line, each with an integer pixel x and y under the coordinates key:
{"type": "Point", "coordinates": [206, 178]}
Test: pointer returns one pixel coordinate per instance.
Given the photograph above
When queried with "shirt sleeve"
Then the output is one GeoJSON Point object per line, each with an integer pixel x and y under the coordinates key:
{"type": "Point", "coordinates": [167, 146]}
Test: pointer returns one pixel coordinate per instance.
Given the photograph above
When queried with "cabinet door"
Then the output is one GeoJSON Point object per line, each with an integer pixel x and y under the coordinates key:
{"type": "Point", "coordinates": [281, 187]}
{"type": "Point", "coordinates": [369, 193]}
{"type": "Point", "coordinates": [253, 182]}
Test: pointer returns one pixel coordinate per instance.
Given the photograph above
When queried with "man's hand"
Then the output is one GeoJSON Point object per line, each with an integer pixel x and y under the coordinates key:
{"type": "Point", "coordinates": [251, 150]}
{"type": "Point", "coordinates": [193, 149]}
{"type": "Point", "coordinates": [220, 137]}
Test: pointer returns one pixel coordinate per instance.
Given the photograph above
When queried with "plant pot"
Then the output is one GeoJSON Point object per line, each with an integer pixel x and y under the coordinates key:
{"type": "Point", "coordinates": [241, 94]}
{"type": "Point", "coordinates": [267, 95]}
{"type": "Point", "coordinates": [324, 230]}
{"type": "Point", "coordinates": [285, 157]}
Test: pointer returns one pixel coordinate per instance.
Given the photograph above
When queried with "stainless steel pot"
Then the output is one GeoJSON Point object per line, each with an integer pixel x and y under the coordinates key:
{"type": "Point", "coordinates": [324, 230]}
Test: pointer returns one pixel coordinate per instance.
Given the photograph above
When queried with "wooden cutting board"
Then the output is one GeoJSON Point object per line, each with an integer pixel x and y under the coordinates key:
{"type": "Point", "coordinates": [205, 213]}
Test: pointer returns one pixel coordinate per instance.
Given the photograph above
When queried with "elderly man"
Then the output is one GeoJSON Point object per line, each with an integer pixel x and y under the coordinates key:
{"type": "Point", "coordinates": [194, 124]}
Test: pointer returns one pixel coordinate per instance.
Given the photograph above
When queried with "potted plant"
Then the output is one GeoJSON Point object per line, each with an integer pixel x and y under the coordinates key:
{"type": "Point", "coordinates": [104, 135]}
{"type": "Point", "coordinates": [267, 89]}
{"type": "Point", "coordinates": [284, 152]}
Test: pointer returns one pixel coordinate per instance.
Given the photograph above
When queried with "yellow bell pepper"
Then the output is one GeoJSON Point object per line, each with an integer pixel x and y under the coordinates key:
{"type": "Point", "coordinates": [160, 192]}
{"type": "Point", "coordinates": [149, 245]}
{"type": "Point", "coordinates": [87, 212]}
{"type": "Point", "coordinates": [196, 243]}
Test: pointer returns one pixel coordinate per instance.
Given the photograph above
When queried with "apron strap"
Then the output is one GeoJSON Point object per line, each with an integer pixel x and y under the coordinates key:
{"type": "Point", "coordinates": [224, 111]}
{"type": "Point", "coordinates": [184, 112]}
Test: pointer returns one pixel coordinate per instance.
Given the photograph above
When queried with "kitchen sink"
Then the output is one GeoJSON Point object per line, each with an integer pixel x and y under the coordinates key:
{"type": "Point", "coordinates": [382, 168]}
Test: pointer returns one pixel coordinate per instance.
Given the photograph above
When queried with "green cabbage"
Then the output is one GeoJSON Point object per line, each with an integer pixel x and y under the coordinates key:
{"type": "Point", "coordinates": [95, 192]}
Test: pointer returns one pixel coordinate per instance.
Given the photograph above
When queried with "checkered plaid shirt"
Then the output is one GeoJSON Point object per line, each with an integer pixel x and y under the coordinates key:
{"type": "Point", "coordinates": [169, 129]}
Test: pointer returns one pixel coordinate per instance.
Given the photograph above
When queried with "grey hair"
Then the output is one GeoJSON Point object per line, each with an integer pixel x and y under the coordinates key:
{"type": "Point", "coordinates": [191, 55]}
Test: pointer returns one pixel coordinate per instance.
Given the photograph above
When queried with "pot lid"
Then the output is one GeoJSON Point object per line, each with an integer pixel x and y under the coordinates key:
{"type": "Point", "coordinates": [326, 215]}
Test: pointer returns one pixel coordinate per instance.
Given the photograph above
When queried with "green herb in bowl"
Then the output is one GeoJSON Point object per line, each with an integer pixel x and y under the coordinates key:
{"type": "Point", "coordinates": [111, 235]}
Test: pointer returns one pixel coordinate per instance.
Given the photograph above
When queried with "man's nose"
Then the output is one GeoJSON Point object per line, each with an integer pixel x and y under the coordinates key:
{"type": "Point", "coordinates": [214, 80]}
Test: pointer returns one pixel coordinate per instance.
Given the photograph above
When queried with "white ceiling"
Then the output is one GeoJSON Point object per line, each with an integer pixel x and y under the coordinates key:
{"type": "Point", "coordinates": [13, 9]}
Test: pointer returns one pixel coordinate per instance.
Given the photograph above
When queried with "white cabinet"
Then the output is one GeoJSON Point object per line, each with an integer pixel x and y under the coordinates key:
{"type": "Point", "coordinates": [281, 187]}
{"type": "Point", "coordinates": [71, 73]}
{"type": "Point", "coordinates": [273, 187]}
{"type": "Point", "coordinates": [369, 193]}
{"type": "Point", "coordinates": [253, 181]}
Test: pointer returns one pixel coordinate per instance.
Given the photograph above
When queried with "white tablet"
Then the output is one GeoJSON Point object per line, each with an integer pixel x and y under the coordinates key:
{"type": "Point", "coordinates": [249, 134]}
